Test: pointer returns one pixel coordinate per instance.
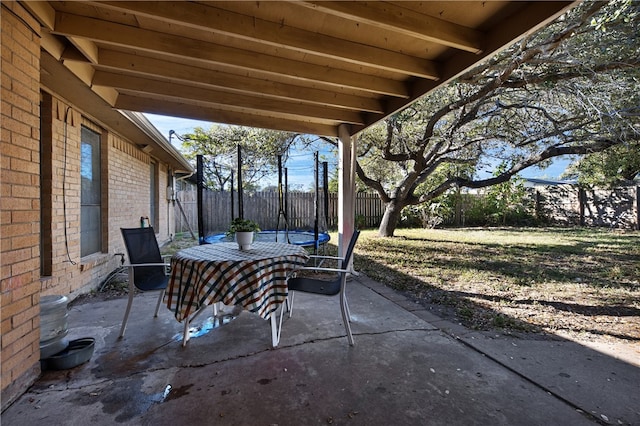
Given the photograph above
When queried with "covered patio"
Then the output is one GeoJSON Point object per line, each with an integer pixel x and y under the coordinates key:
{"type": "Point", "coordinates": [324, 68]}
{"type": "Point", "coordinates": [321, 68]}
{"type": "Point", "coordinates": [408, 367]}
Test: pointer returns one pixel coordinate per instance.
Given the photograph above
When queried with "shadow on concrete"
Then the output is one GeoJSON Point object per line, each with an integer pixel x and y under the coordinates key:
{"type": "Point", "coordinates": [408, 367]}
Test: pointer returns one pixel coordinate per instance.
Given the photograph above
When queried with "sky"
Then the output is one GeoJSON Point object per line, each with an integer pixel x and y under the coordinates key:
{"type": "Point", "coordinates": [300, 164]}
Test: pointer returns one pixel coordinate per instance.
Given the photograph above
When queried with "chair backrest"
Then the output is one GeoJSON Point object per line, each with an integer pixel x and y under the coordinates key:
{"type": "Point", "coordinates": [349, 252]}
{"type": "Point", "coordinates": [142, 247]}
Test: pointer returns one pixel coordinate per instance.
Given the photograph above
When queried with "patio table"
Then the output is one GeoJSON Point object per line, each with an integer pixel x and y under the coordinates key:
{"type": "Point", "coordinates": [254, 278]}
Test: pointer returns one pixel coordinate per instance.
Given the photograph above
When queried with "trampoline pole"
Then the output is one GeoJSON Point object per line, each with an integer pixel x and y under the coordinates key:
{"type": "Point", "coordinates": [200, 185]}
{"type": "Point", "coordinates": [286, 202]}
{"type": "Point", "coordinates": [281, 203]}
{"type": "Point", "coordinates": [316, 201]}
{"type": "Point", "coordinates": [240, 203]}
{"type": "Point", "coordinates": [232, 197]}
{"type": "Point", "coordinates": [279, 195]}
{"type": "Point", "coordinates": [325, 193]}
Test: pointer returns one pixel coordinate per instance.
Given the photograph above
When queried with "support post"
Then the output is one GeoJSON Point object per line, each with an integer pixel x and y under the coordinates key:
{"type": "Point", "coordinates": [346, 187]}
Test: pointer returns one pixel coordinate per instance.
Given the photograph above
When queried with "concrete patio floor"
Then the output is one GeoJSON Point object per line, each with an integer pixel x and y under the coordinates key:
{"type": "Point", "coordinates": [408, 367]}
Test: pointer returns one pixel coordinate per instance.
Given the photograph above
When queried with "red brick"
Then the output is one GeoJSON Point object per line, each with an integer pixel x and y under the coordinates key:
{"type": "Point", "coordinates": [15, 177]}
{"type": "Point", "coordinates": [14, 256]}
{"type": "Point", "coordinates": [17, 357]}
{"type": "Point", "coordinates": [23, 241]}
{"type": "Point", "coordinates": [9, 310]}
{"type": "Point", "coordinates": [25, 166]}
{"type": "Point", "coordinates": [24, 317]}
{"type": "Point", "coordinates": [5, 218]}
{"type": "Point", "coordinates": [25, 191]}
{"type": "Point", "coordinates": [30, 216]}
{"type": "Point", "coordinates": [15, 229]}
{"type": "Point", "coordinates": [29, 290]}
{"type": "Point", "coordinates": [26, 267]}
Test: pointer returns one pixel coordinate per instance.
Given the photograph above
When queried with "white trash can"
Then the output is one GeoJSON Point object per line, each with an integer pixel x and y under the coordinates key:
{"type": "Point", "coordinates": [53, 325]}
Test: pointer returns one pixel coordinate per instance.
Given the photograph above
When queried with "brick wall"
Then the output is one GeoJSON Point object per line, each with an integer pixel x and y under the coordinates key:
{"type": "Point", "coordinates": [128, 186]}
{"type": "Point", "coordinates": [125, 173]}
{"type": "Point", "coordinates": [20, 200]}
{"type": "Point", "coordinates": [129, 183]}
{"type": "Point", "coordinates": [40, 177]}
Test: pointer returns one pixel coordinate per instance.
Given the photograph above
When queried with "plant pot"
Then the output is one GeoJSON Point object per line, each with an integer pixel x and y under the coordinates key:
{"type": "Point", "coordinates": [244, 240]}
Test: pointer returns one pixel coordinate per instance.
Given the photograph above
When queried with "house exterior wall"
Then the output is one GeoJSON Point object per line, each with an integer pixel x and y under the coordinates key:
{"type": "Point", "coordinates": [40, 187]}
{"type": "Point", "coordinates": [20, 200]}
{"type": "Point", "coordinates": [125, 173]}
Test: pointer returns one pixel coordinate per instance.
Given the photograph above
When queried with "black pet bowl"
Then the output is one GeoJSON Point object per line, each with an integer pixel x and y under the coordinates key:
{"type": "Point", "coordinates": [77, 352]}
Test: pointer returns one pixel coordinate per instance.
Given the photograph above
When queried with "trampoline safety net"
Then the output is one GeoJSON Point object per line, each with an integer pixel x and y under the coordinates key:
{"type": "Point", "coordinates": [301, 216]}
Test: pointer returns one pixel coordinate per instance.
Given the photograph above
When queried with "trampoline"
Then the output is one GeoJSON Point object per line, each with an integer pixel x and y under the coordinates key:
{"type": "Point", "coordinates": [309, 235]}
{"type": "Point", "coordinates": [300, 238]}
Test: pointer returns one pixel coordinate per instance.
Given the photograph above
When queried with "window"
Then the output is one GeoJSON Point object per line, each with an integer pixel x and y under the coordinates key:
{"type": "Point", "coordinates": [90, 198]}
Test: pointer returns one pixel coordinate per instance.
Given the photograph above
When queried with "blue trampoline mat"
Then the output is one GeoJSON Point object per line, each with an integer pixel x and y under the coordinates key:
{"type": "Point", "coordinates": [301, 238]}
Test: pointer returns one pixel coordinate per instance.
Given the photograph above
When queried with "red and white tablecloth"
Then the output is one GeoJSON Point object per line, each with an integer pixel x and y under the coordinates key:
{"type": "Point", "coordinates": [255, 278]}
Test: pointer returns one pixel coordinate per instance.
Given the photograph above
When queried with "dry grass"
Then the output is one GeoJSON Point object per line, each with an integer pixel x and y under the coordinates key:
{"type": "Point", "coordinates": [583, 282]}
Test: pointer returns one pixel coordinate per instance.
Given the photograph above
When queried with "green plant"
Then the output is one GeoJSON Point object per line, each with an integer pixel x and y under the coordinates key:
{"type": "Point", "coordinates": [242, 225]}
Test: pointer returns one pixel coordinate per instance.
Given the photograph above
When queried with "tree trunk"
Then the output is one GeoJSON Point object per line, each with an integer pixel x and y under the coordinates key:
{"type": "Point", "coordinates": [390, 219]}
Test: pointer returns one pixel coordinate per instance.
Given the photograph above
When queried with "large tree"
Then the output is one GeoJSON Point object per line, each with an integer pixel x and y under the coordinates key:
{"type": "Point", "coordinates": [570, 88]}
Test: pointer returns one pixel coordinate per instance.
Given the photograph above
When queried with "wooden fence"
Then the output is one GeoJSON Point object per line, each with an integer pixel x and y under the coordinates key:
{"type": "Point", "coordinates": [571, 205]}
{"type": "Point", "coordinates": [264, 208]}
{"type": "Point", "coordinates": [560, 205]}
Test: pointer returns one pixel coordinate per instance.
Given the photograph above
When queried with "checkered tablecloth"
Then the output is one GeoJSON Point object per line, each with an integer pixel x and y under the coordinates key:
{"type": "Point", "coordinates": [253, 278]}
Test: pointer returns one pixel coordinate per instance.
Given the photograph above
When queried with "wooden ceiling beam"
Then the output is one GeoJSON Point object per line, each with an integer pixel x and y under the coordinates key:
{"type": "Point", "coordinates": [175, 72]}
{"type": "Point", "coordinates": [189, 94]}
{"type": "Point", "coordinates": [401, 20]}
{"type": "Point", "coordinates": [88, 48]}
{"type": "Point", "coordinates": [180, 47]}
{"type": "Point", "coordinates": [205, 17]}
{"type": "Point", "coordinates": [532, 15]}
{"type": "Point", "coordinates": [217, 115]}
{"type": "Point", "coordinates": [42, 11]}
{"type": "Point", "coordinates": [53, 45]}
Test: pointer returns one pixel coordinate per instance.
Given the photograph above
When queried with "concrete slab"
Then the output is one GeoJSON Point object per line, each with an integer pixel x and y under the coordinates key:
{"type": "Point", "coordinates": [402, 370]}
{"type": "Point", "coordinates": [608, 387]}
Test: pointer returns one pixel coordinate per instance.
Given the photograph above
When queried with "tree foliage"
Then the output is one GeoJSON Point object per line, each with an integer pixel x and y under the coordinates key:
{"type": "Point", "coordinates": [219, 145]}
{"type": "Point", "coordinates": [568, 89]}
{"type": "Point", "coordinates": [616, 166]}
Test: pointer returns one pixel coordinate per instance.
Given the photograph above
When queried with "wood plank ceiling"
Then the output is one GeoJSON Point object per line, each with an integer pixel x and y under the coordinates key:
{"type": "Point", "coordinates": [299, 66]}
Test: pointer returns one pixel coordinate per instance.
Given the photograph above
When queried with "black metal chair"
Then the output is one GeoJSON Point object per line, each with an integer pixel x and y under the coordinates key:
{"type": "Point", "coordinates": [147, 270]}
{"type": "Point", "coordinates": [332, 287]}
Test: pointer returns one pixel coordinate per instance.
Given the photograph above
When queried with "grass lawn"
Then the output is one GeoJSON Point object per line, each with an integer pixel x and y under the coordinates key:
{"type": "Point", "coordinates": [578, 281]}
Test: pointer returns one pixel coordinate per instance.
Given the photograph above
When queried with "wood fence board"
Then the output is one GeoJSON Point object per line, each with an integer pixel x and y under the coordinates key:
{"type": "Point", "coordinates": [563, 205]}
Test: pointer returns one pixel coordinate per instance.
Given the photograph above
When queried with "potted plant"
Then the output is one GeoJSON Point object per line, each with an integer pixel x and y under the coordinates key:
{"type": "Point", "coordinates": [243, 229]}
